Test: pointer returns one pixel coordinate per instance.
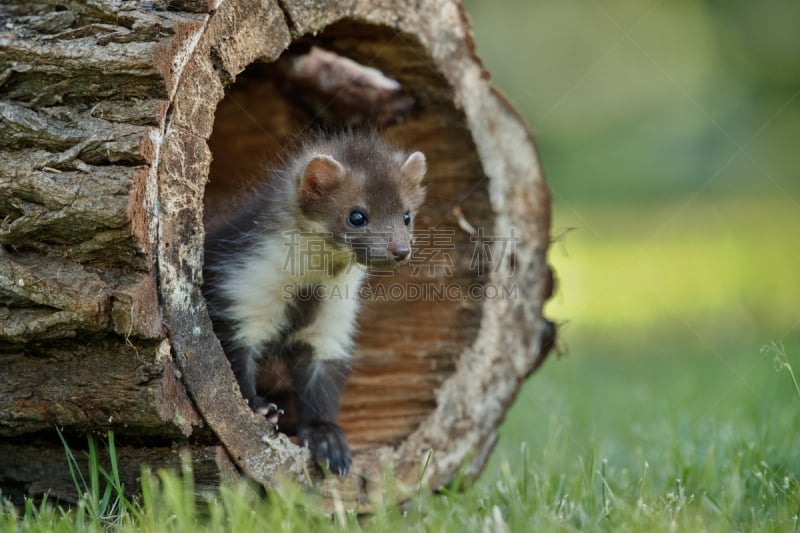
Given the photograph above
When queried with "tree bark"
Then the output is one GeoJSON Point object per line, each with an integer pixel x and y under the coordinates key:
{"type": "Point", "coordinates": [39, 467]}
{"type": "Point", "coordinates": [110, 113]}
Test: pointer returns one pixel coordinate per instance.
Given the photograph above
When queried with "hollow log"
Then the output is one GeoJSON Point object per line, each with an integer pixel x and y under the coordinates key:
{"type": "Point", "coordinates": [126, 128]}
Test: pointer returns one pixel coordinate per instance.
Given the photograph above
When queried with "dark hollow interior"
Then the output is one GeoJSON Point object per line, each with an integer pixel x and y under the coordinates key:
{"type": "Point", "coordinates": [415, 326]}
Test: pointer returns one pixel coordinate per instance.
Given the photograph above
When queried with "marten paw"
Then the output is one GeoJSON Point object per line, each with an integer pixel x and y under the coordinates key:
{"type": "Point", "coordinates": [269, 410]}
{"type": "Point", "coordinates": [327, 442]}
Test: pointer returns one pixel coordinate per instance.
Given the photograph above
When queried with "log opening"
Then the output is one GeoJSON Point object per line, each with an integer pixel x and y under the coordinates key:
{"type": "Point", "coordinates": [416, 322]}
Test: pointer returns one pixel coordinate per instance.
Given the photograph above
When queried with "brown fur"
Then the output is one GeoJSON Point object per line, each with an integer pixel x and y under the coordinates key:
{"type": "Point", "coordinates": [325, 182]}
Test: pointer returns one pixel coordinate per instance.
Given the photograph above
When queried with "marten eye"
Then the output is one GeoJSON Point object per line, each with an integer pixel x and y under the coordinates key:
{"type": "Point", "coordinates": [406, 218]}
{"type": "Point", "coordinates": [357, 218]}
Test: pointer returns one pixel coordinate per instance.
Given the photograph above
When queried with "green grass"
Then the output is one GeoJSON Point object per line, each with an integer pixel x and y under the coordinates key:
{"type": "Point", "coordinates": [616, 444]}
{"type": "Point", "coordinates": [630, 443]}
{"type": "Point", "coordinates": [677, 406]}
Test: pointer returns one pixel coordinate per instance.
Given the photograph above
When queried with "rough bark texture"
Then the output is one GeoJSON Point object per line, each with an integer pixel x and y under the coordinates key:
{"type": "Point", "coordinates": [38, 468]}
{"type": "Point", "coordinates": [110, 113]}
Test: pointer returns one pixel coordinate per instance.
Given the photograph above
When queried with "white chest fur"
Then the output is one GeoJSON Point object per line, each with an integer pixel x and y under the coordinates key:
{"type": "Point", "coordinates": [261, 284]}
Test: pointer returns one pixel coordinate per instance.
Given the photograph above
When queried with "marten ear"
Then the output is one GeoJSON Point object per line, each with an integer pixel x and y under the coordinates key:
{"type": "Point", "coordinates": [413, 170]}
{"type": "Point", "coordinates": [322, 175]}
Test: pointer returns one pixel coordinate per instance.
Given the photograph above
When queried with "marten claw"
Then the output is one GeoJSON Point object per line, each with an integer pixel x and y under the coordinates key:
{"type": "Point", "coordinates": [328, 444]}
{"type": "Point", "coordinates": [271, 412]}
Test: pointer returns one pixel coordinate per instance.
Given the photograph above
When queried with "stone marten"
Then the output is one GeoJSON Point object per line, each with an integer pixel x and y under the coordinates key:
{"type": "Point", "coordinates": [282, 275]}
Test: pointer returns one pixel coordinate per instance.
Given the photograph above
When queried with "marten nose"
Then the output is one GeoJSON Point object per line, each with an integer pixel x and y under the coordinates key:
{"type": "Point", "coordinates": [399, 252]}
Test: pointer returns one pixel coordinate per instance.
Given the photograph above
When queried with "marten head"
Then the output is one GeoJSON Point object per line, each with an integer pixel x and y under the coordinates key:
{"type": "Point", "coordinates": [365, 195]}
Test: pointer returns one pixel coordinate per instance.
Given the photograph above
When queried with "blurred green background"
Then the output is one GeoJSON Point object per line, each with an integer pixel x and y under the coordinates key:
{"type": "Point", "coordinates": [669, 132]}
